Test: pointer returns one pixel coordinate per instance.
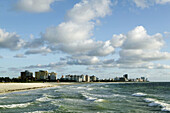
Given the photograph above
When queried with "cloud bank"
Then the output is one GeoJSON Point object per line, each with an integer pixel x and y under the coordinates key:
{"type": "Point", "coordinates": [74, 37]}
{"type": "Point", "coordinates": [136, 49]}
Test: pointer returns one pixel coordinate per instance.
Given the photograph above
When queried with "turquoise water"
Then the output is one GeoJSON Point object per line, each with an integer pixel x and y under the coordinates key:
{"type": "Point", "coordinates": [91, 98]}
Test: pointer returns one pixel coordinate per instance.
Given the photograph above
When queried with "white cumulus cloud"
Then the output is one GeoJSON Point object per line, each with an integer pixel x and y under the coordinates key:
{"type": "Point", "coordinates": [35, 6]}
{"type": "Point", "coordinates": [83, 60]}
{"type": "Point", "coordinates": [74, 35]}
{"type": "Point", "coordinates": [101, 49]}
{"type": "Point", "coordinates": [88, 10]}
{"type": "Point", "coordinates": [139, 39]}
{"type": "Point", "coordinates": [79, 24]}
{"type": "Point", "coordinates": [10, 41]}
{"type": "Point", "coordinates": [68, 32]}
{"type": "Point", "coordinates": [138, 48]}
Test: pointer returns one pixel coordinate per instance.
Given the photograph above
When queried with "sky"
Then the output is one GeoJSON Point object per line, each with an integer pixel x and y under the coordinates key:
{"type": "Point", "coordinates": [106, 38]}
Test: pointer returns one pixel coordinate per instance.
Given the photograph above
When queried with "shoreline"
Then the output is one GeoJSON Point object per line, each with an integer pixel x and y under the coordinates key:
{"type": "Point", "coordinates": [17, 87]}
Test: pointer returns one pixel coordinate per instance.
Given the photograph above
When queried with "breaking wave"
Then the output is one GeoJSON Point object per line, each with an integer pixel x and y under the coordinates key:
{"type": "Point", "coordinates": [23, 105]}
{"type": "Point", "coordinates": [99, 100]}
{"type": "Point", "coordinates": [40, 112]}
{"type": "Point", "coordinates": [89, 89]}
{"type": "Point", "coordinates": [44, 98]}
{"type": "Point", "coordinates": [154, 103]}
{"type": "Point", "coordinates": [139, 94]}
{"type": "Point", "coordinates": [3, 97]}
{"type": "Point", "coordinates": [90, 98]}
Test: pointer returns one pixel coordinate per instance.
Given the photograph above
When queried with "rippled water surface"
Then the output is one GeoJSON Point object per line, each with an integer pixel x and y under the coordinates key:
{"type": "Point", "coordinates": [91, 98]}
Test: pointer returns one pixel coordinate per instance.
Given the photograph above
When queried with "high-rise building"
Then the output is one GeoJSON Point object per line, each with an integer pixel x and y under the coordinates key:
{"type": "Point", "coordinates": [26, 76]}
{"type": "Point", "coordinates": [139, 80]}
{"type": "Point", "coordinates": [87, 78]}
{"type": "Point", "coordinates": [83, 78]}
{"type": "Point", "coordinates": [78, 79]}
{"type": "Point", "coordinates": [144, 79]}
{"type": "Point", "coordinates": [68, 77]}
{"type": "Point", "coordinates": [116, 79]}
{"type": "Point", "coordinates": [41, 75]}
{"type": "Point", "coordinates": [53, 76]}
{"type": "Point", "coordinates": [93, 78]}
{"type": "Point", "coordinates": [125, 76]}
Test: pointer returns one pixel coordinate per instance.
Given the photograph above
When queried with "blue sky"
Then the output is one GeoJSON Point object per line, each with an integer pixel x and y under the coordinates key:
{"type": "Point", "coordinates": [106, 38]}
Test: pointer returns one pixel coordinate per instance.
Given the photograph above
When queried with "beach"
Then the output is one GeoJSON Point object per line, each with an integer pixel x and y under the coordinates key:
{"type": "Point", "coordinates": [12, 87]}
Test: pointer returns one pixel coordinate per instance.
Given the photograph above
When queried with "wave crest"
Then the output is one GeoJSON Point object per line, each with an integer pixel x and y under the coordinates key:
{"type": "Point", "coordinates": [154, 102]}
{"type": "Point", "coordinates": [23, 105]}
{"type": "Point", "coordinates": [139, 94]}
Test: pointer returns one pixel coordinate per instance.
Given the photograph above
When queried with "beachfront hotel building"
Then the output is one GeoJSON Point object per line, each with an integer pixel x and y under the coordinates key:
{"type": "Point", "coordinates": [142, 79]}
{"type": "Point", "coordinates": [125, 76]}
{"type": "Point", "coordinates": [75, 78]}
{"type": "Point", "coordinates": [26, 76]}
{"type": "Point", "coordinates": [93, 78]}
{"type": "Point", "coordinates": [80, 78]}
{"type": "Point", "coordinates": [53, 76]}
{"type": "Point", "coordinates": [83, 78]}
{"type": "Point", "coordinates": [87, 78]}
{"type": "Point", "coordinates": [41, 75]}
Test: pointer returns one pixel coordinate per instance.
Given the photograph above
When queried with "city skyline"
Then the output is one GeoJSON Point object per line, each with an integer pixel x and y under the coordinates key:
{"type": "Point", "coordinates": [106, 38]}
{"type": "Point", "coordinates": [45, 76]}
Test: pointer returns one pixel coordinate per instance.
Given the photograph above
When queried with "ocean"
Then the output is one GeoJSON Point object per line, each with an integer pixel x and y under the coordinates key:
{"type": "Point", "coordinates": [152, 97]}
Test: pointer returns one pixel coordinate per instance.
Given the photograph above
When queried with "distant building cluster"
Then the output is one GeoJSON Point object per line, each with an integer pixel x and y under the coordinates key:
{"type": "Point", "coordinates": [125, 79]}
{"type": "Point", "coordinates": [45, 76]}
{"type": "Point", "coordinates": [80, 78]}
{"type": "Point", "coordinates": [41, 75]}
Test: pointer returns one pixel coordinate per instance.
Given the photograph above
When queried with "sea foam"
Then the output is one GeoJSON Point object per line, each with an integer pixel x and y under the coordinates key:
{"type": "Point", "coordinates": [167, 109]}
{"type": "Point", "coordinates": [44, 98]}
{"type": "Point", "coordinates": [23, 105]}
{"type": "Point", "coordinates": [89, 98]}
{"type": "Point", "coordinates": [3, 97]}
{"type": "Point", "coordinates": [149, 100]}
{"type": "Point", "coordinates": [99, 100]}
{"type": "Point", "coordinates": [89, 89]}
{"type": "Point", "coordinates": [139, 94]}
{"type": "Point", "coordinates": [81, 87]}
{"type": "Point", "coordinates": [154, 103]}
{"type": "Point", "coordinates": [40, 112]}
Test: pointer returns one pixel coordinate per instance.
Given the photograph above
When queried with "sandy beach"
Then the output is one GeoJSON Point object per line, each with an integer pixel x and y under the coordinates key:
{"type": "Point", "coordinates": [12, 87]}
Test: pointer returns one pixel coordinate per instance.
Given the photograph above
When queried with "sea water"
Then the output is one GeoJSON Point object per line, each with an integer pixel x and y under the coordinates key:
{"type": "Point", "coordinates": [91, 98]}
